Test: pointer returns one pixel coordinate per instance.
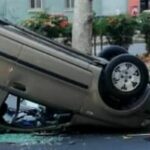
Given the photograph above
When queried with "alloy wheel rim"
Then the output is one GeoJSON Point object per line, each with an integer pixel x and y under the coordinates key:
{"type": "Point", "coordinates": [126, 77]}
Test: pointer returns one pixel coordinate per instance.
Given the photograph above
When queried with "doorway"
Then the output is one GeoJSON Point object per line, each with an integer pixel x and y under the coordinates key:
{"type": "Point", "coordinates": [145, 4]}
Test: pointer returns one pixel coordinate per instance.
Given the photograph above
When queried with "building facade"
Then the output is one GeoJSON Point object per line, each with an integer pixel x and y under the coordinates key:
{"type": "Point", "coordinates": [18, 10]}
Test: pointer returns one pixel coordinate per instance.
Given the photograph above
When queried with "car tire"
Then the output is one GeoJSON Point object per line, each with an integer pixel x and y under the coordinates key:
{"type": "Point", "coordinates": [111, 52]}
{"type": "Point", "coordinates": [126, 76]}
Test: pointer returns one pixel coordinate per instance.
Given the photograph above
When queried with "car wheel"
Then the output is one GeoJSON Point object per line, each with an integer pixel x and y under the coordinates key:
{"type": "Point", "coordinates": [126, 76]}
{"type": "Point", "coordinates": [112, 51]}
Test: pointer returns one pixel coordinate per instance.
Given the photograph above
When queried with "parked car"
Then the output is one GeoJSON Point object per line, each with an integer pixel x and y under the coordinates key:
{"type": "Point", "coordinates": [106, 91]}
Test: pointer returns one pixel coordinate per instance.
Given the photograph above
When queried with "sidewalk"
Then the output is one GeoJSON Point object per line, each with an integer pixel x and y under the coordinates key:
{"type": "Point", "coordinates": [137, 38]}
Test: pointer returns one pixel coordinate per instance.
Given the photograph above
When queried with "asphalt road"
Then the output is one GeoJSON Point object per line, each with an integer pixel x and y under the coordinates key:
{"type": "Point", "coordinates": [86, 142]}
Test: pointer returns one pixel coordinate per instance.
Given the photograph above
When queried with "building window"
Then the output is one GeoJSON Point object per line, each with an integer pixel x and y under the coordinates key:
{"type": "Point", "coordinates": [69, 4]}
{"type": "Point", "coordinates": [35, 4]}
{"type": "Point", "coordinates": [145, 4]}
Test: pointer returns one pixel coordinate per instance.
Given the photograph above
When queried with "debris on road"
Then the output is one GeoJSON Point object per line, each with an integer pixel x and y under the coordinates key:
{"type": "Point", "coordinates": [29, 139]}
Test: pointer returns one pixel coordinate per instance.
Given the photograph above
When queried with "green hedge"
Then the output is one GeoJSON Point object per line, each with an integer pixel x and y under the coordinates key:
{"type": "Point", "coordinates": [51, 26]}
{"type": "Point", "coordinates": [118, 30]}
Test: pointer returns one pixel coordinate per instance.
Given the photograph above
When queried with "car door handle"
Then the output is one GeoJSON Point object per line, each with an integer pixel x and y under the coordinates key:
{"type": "Point", "coordinates": [19, 86]}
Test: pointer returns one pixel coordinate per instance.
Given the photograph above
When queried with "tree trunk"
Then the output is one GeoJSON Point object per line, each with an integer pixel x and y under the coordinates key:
{"type": "Point", "coordinates": [82, 26]}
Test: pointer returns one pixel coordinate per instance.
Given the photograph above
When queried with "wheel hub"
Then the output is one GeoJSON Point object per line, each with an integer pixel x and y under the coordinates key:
{"type": "Point", "coordinates": [126, 77]}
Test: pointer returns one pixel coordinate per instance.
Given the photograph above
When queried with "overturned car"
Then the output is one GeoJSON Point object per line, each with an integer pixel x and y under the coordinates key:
{"type": "Point", "coordinates": [110, 90]}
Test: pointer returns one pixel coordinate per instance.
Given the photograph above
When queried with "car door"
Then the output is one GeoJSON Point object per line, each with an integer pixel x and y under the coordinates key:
{"type": "Point", "coordinates": [50, 80]}
{"type": "Point", "coordinates": [9, 52]}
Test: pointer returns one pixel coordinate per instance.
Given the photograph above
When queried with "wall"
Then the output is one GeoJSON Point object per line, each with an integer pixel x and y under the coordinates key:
{"type": "Point", "coordinates": [18, 10]}
{"type": "Point", "coordinates": [114, 7]}
{"type": "Point", "coordinates": [14, 10]}
{"type": "Point", "coordinates": [97, 7]}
